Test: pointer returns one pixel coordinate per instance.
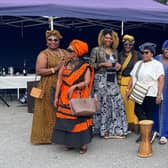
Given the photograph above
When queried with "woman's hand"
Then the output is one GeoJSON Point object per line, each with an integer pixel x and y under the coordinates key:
{"type": "Point", "coordinates": [59, 66]}
{"type": "Point", "coordinates": [105, 64]}
{"type": "Point", "coordinates": [127, 94]}
{"type": "Point", "coordinates": [56, 102]}
{"type": "Point", "coordinates": [70, 91]}
{"type": "Point", "coordinates": [158, 99]}
{"type": "Point", "coordinates": [117, 66]}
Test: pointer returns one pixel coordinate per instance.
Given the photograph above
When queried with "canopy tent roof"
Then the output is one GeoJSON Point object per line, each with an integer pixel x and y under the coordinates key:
{"type": "Point", "coordinates": [123, 10]}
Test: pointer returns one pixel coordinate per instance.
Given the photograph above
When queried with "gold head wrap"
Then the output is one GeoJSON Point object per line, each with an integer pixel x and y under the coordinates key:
{"type": "Point", "coordinates": [55, 33]}
{"type": "Point", "coordinates": [114, 36]}
{"type": "Point", "coordinates": [129, 38]}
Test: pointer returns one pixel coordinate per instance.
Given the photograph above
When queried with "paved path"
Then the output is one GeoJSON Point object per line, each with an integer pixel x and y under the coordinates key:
{"type": "Point", "coordinates": [17, 152]}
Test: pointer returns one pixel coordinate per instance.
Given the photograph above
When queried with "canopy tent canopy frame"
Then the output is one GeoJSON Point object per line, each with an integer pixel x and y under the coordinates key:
{"type": "Point", "coordinates": [74, 23]}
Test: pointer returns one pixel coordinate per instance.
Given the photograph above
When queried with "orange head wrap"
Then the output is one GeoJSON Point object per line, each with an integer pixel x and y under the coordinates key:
{"type": "Point", "coordinates": [80, 47]}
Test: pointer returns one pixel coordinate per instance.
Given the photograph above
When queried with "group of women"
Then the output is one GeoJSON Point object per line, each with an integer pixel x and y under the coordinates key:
{"type": "Point", "coordinates": [109, 75]}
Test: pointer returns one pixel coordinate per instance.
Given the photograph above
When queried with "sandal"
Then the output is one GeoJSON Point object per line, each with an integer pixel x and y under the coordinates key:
{"type": "Point", "coordinates": [163, 140]}
{"type": "Point", "coordinates": [83, 150]}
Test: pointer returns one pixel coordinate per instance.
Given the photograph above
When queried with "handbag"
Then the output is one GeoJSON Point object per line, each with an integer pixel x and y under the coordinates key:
{"type": "Point", "coordinates": [37, 92]}
{"type": "Point", "coordinates": [139, 90]}
{"type": "Point", "coordinates": [84, 106]}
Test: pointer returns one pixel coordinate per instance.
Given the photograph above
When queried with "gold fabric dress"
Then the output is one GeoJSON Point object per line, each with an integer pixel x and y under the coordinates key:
{"type": "Point", "coordinates": [127, 65]}
{"type": "Point", "coordinates": [44, 111]}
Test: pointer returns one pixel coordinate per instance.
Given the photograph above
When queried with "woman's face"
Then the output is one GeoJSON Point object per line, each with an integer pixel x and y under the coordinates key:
{"type": "Point", "coordinates": [53, 42]}
{"type": "Point", "coordinates": [108, 40]}
{"type": "Point", "coordinates": [147, 55]}
{"type": "Point", "coordinates": [70, 52]}
{"type": "Point", "coordinates": [165, 53]}
{"type": "Point", "coordinates": [128, 46]}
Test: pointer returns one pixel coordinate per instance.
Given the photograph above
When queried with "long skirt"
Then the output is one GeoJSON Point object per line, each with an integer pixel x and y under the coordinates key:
{"type": "Point", "coordinates": [64, 133]}
{"type": "Point", "coordinates": [129, 104]}
{"type": "Point", "coordinates": [111, 117]}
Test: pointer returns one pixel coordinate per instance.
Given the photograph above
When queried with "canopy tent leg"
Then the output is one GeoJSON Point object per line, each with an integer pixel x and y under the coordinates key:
{"type": "Point", "coordinates": [122, 28]}
{"type": "Point", "coordinates": [51, 22]}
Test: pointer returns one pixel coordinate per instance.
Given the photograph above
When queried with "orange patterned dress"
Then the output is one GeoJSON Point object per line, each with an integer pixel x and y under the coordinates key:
{"type": "Point", "coordinates": [71, 130]}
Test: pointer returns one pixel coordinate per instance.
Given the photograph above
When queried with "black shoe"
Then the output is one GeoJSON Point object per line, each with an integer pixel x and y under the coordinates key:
{"type": "Point", "coordinates": [138, 139]}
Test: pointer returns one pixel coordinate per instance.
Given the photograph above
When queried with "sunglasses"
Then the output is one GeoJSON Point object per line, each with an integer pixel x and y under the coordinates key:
{"type": "Point", "coordinates": [51, 39]}
{"type": "Point", "coordinates": [145, 52]}
{"type": "Point", "coordinates": [70, 50]}
{"type": "Point", "coordinates": [130, 45]}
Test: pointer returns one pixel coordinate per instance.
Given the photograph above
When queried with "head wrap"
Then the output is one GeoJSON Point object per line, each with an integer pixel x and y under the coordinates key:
{"type": "Point", "coordinates": [148, 46]}
{"type": "Point", "coordinates": [165, 45]}
{"type": "Point", "coordinates": [53, 33]}
{"type": "Point", "coordinates": [80, 47]}
{"type": "Point", "coordinates": [129, 38]}
{"type": "Point", "coordinates": [113, 34]}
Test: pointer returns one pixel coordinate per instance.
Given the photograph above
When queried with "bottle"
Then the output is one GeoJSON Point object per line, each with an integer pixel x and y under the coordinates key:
{"type": "Point", "coordinates": [3, 72]}
{"type": "Point", "coordinates": [24, 69]}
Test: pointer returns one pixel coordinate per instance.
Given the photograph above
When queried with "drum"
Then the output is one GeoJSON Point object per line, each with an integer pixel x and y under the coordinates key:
{"type": "Point", "coordinates": [145, 147]}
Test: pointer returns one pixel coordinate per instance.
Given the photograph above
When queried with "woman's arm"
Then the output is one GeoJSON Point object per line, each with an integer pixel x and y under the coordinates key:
{"type": "Point", "coordinates": [160, 89]}
{"type": "Point", "coordinates": [129, 88]}
{"type": "Point", "coordinates": [81, 85]}
{"type": "Point", "coordinates": [42, 66]}
{"type": "Point", "coordinates": [93, 58]}
{"type": "Point", "coordinates": [58, 86]}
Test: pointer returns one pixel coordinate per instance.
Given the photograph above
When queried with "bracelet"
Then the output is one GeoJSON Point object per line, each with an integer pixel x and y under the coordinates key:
{"type": "Point", "coordinates": [52, 70]}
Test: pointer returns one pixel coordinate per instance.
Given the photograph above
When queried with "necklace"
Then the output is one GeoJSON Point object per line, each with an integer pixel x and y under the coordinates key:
{"type": "Point", "coordinates": [55, 52]}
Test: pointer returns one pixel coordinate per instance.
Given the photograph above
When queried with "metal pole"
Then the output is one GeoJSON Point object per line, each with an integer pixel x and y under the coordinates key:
{"type": "Point", "coordinates": [122, 28]}
{"type": "Point", "coordinates": [51, 19]}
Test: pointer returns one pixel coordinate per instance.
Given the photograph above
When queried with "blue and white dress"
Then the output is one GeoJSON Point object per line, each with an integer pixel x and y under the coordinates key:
{"type": "Point", "coordinates": [164, 106]}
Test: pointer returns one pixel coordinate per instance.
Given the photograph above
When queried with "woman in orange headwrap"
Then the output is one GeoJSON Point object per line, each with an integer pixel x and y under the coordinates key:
{"type": "Point", "coordinates": [127, 58]}
{"type": "Point", "coordinates": [74, 76]}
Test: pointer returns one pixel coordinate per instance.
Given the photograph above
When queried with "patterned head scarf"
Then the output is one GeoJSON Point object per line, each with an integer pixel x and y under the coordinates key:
{"type": "Point", "coordinates": [80, 47]}
{"type": "Point", "coordinates": [129, 38]}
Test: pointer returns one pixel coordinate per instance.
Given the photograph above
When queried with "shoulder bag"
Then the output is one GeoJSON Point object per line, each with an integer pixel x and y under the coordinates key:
{"type": "Point", "coordinates": [35, 91]}
{"type": "Point", "coordinates": [139, 90]}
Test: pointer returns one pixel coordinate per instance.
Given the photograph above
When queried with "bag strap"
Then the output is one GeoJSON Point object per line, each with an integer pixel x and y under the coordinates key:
{"type": "Point", "coordinates": [138, 69]}
{"type": "Point", "coordinates": [44, 84]}
{"type": "Point", "coordinates": [78, 91]}
{"type": "Point", "coordinates": [126, 62]}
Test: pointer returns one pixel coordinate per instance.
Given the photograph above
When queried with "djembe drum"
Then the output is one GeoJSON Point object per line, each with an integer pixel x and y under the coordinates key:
{"type": "Point", "coordinates": [145, 147]}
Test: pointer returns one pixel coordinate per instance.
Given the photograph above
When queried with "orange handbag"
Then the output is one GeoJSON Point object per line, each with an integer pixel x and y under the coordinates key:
{"type": "Point", "coordinates": [37, 92]}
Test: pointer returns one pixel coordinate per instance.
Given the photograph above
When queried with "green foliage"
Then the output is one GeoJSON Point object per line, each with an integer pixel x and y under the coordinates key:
{"type": "Point", "coordinates": [163, 1]}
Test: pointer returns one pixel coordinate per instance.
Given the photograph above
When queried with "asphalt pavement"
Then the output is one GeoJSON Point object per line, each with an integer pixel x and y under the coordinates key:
{"type": "Point", "coordinates": [16, 151]}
